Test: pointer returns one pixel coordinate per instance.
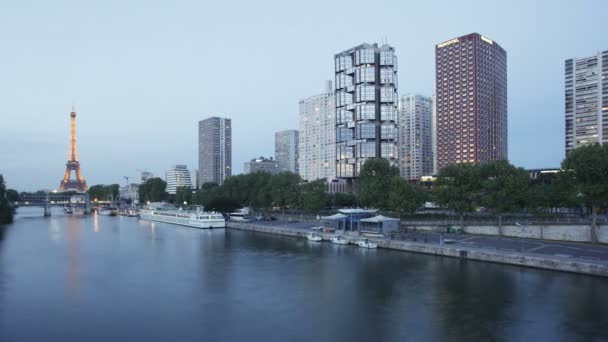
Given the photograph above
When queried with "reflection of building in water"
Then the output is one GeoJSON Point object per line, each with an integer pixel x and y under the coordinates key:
{"type": "Point", "coordinates": [73, 254]}
{"type": "Point", "coordinates": [95, 222]}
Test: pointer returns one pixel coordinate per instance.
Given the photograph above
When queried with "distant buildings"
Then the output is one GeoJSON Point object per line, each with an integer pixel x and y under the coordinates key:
{"type": "Point", "coordinates": [214, 150]}
{"type": "Point", "coordinates": [177, 176]}
{"type": "Point", "coordinates": [317, 143]}
{"type": "Point", "coordinates": [366, 107]}
{"type": "Point", "coordinates": [130, 193]}
{"type": "Point", "coordinates": [415, 136]}
{"type": "Point", "coordinates": [471, 86]}
{"type": "Point", "coordinates": [286, 150]}
{"type": "Point", "coordinates": [434, 133]}
{"type": "Point", "coordinates": [586, 100]}
{"type": "Point", "coordinates": [261, 164]}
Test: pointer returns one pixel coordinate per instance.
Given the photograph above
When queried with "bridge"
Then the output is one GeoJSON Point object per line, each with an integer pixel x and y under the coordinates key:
{"type": "Point", "coordinates": [55, 200]}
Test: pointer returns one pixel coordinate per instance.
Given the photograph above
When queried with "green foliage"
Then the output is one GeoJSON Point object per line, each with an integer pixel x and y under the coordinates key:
{"type": "Point", "coordinates": [103, 192]}
{"type": "Point", "coordinates": [404, 197]}
{"type": "Point", "coordinates": [312, 196]}
{"type": "Point", "coordinates": [284, 189]}
{"type": "Point", "coordinates": [504, 187]}
{"type": "Point", "coordinates": [6, 210]}
{"type": "Point", "coordinates": [153, 190]}
{"type": "Point", "coordinates": [183, 194]}
{"type": "Point", "coordinates": [12, 195]}
{"type": "Point", "coordinates": [374, 183]}
{"type": "Point", "coordinates": [342, 200]}
{"type": "Point", "coordinates": [458, 187]}
{"type": "Point", "coordinates": [586, 170]}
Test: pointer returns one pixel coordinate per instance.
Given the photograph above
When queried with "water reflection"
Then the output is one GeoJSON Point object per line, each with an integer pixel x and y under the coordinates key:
{"type": "Point", "coordinates": [158, 282]}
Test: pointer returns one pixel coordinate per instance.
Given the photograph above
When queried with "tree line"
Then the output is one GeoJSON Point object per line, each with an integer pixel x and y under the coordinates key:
{"type": "Point", "coordinates": [6, 209]}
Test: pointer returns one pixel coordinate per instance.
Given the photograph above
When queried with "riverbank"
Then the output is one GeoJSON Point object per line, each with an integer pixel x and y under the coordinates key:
{"type": "Point", "coordinates": [556, 262]}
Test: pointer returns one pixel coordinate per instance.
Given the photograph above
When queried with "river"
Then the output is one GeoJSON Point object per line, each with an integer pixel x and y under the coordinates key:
{"type": "Point", "coordinates": [101, 278]}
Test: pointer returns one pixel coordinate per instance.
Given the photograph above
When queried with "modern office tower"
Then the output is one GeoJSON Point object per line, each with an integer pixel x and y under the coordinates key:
{"type": "Point", "coordinates": [415, 136]}
{"type": "Point", "coordinates": [145, 175]}
{"type": "Point", "coordinates": [286, 150]}
{"type": "Point", "coordinates": [317, 144]}
{"type": "Point", "coordinates": [177, 176]}
{"type": "Point", "coordinates": [434, 133]}
{"type": "Point", "coordinates": [261, 164]}
{"type": "Point", "coordinates": [586, 100]}
{"type": "Point", "coordinates": [366, 107]}
{"type": "Point", "coordinates": [214, 150]}
{"type": "Point", "coordinates": [471, 90]}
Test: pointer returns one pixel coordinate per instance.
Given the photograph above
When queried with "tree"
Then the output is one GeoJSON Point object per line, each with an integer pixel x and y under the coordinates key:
{"type": "Point", "coordinates": [6, 210]}
{"type": "Point", "coordinates": [284, 189]}
{"type": "Point", "coordinates": [504, 187]}
{"type": "Point", "coordinates": [341, 199]}
{"type": "Point", "coordinates": [458, 188]}
{"type": "Point", "coordinates": [12, 195]}
{"type": "Point", "coordinates": [312, 196]}
{"type": "Point", "coordinates": [374, 183]}
{"type": "Point", "coordinates": [404, 197]}
{"type": "Point", "coordinates": [183, 194]}
{"type": "Point", "coordinates": [104, 192]}
{"type": "Point", "coordinates": [153, 190]}
{"type": "Point", "coordinates": [586, 168]}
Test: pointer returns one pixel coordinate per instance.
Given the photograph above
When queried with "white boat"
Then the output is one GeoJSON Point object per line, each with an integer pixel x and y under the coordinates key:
{"type": "Point", "coordinates": [107, 211]}
{"type": "Point", "coordinates": [338, 239]}
{"type": "Point", "coordinates": [68, 210]}
{"type": "Point", "coordinates": [314, 237]}
{"type": "Point", "coordinates": [365, 243]}
{"type": "Point", "coordinates": [191, 218]}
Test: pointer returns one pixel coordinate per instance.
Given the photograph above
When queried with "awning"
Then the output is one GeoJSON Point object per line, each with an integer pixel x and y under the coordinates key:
{"type": "Point", "coordinates": [337, 216]}
{"type": "Point", "coordinates": [379, 218]}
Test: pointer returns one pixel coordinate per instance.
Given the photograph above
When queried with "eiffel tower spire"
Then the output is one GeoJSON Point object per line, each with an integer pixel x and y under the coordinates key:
{"type": "Point", "coordinates": [73, 164]}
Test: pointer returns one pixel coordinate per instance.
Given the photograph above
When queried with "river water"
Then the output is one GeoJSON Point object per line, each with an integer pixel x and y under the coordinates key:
{"type": "Point", "coordinates": [103, 278]}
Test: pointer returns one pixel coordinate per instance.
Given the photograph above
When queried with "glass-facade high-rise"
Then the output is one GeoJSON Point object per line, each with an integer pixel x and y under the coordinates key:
{"type": "Point", "coordinates": [586, 100]}
{"type": "Point", "coordinates": [366, 107]}
{"type": "Point", "coordinates": [286, 150]}
{"type": "Point", "coordinates": [415, 136]}
{"type": "Point", "coordinates": [214, 150]}
{"type": "Point", "coordinates": [317, 144]}
{"type": "Point", "coordinates": [471, 94]}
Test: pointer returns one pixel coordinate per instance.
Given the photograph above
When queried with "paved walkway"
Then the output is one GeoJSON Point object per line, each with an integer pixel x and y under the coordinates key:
{"type": "Point", "coordinates": [581, 251]}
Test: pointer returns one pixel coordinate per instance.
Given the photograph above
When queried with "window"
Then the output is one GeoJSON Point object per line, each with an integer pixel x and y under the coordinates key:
{"type": "Point", "coordinates": [365, 93]}
{"type": "Point", "coordinates": [366, 131]}
{"type": "Point", "coordinates": [366, 150]}
{"type": "Point", "coordinates": [366, 112]}
{"type": "Point", "coordinates": [364, 56]}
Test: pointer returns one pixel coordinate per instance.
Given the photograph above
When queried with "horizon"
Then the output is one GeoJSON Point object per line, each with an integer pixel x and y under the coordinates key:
{"type": "Point", "coordinates": [142, 77]}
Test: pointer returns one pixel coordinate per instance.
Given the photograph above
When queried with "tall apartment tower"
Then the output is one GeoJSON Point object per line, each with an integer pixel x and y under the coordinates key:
{"type": "Point", "coordinates": [317, 144]}
{"type": "Point", "coordinates": [177, 176]}
{"type": "Point", "coordinates": [586, 100]}
{"type": "Point", "coordinates": [286, 150]}
{"type": "Point", "coordinates": [214, 150]}
{"type": "Point", "coordinates": [415, 136]}
{"type": "Point", "coordinates": [434, 132]}
{"type": "Point", "coordinates": [471, 91]}
{"type": "Point", "coordinates": [366, 107]}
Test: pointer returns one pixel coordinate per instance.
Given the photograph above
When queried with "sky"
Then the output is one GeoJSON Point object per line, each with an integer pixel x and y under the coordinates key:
{"type": "Point", "coordinates": [141, 74]}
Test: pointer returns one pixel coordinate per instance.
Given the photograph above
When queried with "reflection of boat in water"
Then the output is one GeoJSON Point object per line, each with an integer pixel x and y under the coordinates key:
{"type": "Point", "coordinates": [107, 211]}
{"type": "Point", "coordinates": [314, 237]}
{"type": "Point", "coordinates": [339, 240]}
{"type": "Point", "coordinates": [68, 210]}
{"type": "Point", "coordinates": [78, 211]}
{"type": "Point", "coordinates": [365, 243]}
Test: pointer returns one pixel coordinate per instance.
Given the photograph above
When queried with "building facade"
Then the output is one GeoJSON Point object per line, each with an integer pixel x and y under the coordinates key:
{"type": "Point", "coordinates": [415, 136]}
{"type": "Point", "coordinates": [471, 93]}
{"type": "Point", "coordinates": [214, 150]}
{"type": "Point", "coordinates": [286, 150]}
{"type": "Point", "coordinates": [317, 144]}
{"type": "Point", "coordinates": [130, 193]}
{"type": "Point", "coordinates": [586, 100]}
{"type": "Point", "coordinates": [434, 132]}
{"type": "Point", "coordinates": [177, 176]}
{"type": "Point", "coordinates": [261, 164]}
{"type": "Point", "coordinates": [366, 107]}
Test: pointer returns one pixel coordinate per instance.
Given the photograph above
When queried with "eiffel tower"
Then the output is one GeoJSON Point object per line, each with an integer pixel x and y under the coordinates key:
{"type": "Point", "coordinates": [73, 164]}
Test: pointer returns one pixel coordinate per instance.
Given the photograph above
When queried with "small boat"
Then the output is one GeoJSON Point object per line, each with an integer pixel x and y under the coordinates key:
{"type": "Point", "coordinates": [365, 243]}
{"type": "Point", "coordinates": [338, 239]}
{"type": "Point", "coordinates": [314, 237]}
{"type": "Point", "coordinates": [107, 211]}
{"type": "Point", "coordinates": [132, 213]}
{"type": "Point", "coordinates": [68, 210]}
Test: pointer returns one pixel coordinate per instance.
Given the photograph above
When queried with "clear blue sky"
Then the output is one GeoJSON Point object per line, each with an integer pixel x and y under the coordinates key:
{"type": "Point", "coordinates": [142, 73]}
